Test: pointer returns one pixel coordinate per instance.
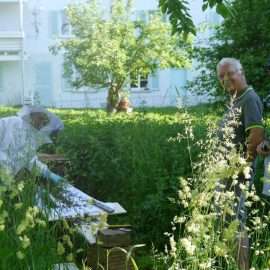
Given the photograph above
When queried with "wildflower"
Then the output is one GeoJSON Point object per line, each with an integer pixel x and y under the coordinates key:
{"type": "Point", "coordinates": [20, 255]}
{"type": "Point", "coordinates": [242, 161]}
{"type": "Point", "coordinates": [205, 265]}
{"type": "Point", "coordinates": [179, 220]}
{"type": "Point", "coordinates": [248, 204]}
{"type": "Point", "coordinates": [18, 206]}
{"type": "Point", "coordinates": [67, 240]}
{"type": "Point", "coordinates": [246, 172]}
{"type": "Point", "coordinates": [21, 228]}
{"type": "Point", "coordinates": [20, 186]}
{"type": "Point", "coordinates": [41, 222]}
{"type": "Point", "coordinates": [188, 246]}
{"type": "Point", "coordinates": [25, 241]}
{"type": "Point", "coordinates": [256, 221]}
{"type": "Point", "coordinates": [193, 228]}
{"type": "Point", "coordinates": [220, 249]}
{"type": "Point", "coordinates": [173, 247]}
{"type": "Point", "coordinates": [60, 249]}
{"type": "Point", "coordinates": [70, 257]}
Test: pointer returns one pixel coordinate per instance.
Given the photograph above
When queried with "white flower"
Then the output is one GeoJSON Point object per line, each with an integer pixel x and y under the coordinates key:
{"type": "Point", "coordinates": [25, 241]}
{"type": "Point", "coordinates": [246, 172]}
{"type": "Point", "coordinates": [20, 255]}
{"type": "Point", "coordinates": [188, 246]}
{"type": "Point", "coordinates": [193, 228]}
{"type": "Point", "coordinates": [179, 220]}
{"type": "Point", "coordinates": [205, 265]}
{"type": "Point", "coordinates": [173, 246]}
{"type": "Point", "coordinates": [242, 161]}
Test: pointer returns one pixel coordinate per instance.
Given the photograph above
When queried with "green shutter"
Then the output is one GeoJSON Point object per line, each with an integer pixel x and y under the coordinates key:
{"type": "Point", "coordinates": [53, 23]}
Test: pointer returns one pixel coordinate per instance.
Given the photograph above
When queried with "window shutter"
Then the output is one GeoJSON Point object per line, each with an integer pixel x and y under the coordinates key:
{"type": "Point", "coordinates": [53, 23]}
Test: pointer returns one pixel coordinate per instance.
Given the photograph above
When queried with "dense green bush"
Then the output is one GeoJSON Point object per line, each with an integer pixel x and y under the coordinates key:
{"type": "Point", "coordinates": [130, 159]}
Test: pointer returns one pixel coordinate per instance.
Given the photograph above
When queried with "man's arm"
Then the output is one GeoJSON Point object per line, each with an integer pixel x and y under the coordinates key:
{"type": "Point", "coordinates": [255, 137]}
{"type": "Point", "coordinates": [43, 170]}
{"type": "Point", "coordinates": [253, 124]}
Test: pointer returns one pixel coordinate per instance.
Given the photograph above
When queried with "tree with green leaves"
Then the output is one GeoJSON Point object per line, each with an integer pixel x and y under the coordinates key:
{"type": "Point", "coordinates": [109, 47]}
{"type": "Point", "coordinates": [244, 36]}
{"type": "Point", "coordinates": [179, 13]}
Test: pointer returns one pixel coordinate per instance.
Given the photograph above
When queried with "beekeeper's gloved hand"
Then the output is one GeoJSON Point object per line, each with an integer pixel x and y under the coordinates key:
{"type": "Point", "coordinates": [55, 178]}
{"type": "Point", "coordinates": [45, 172]}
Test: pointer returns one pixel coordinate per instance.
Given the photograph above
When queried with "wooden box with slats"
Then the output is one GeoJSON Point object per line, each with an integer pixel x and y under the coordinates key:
{"type": "Point", "coordinates": [107, 252]}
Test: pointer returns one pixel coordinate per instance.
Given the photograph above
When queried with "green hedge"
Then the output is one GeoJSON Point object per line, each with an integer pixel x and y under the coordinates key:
{"type": "Point", "coordinates": [129, 159]}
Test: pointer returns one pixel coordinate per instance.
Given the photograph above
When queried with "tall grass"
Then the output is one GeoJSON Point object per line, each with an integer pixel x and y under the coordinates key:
{"type": "Point", "coordinates": [224, 214]}
{"type": "Point", "coordinates": [27, 241]}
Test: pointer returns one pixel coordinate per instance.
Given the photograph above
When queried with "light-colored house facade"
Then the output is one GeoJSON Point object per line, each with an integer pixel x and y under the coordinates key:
{"type": "Point", "coordinates": [30, 73]}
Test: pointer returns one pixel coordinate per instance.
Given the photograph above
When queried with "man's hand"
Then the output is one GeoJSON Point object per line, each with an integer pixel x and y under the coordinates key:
{"type": "Point", "coordinates": [263, 148]}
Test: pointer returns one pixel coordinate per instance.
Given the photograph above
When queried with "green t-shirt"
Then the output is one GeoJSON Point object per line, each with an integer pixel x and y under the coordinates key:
{"type": "Point", "coordinates": [248, 112]}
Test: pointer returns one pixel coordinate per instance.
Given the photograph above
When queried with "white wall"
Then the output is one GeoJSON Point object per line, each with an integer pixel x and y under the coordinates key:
{"type": "Point", "coordinates": [44, 71]}
{"type": "Point", "coordinates": [10, 83]}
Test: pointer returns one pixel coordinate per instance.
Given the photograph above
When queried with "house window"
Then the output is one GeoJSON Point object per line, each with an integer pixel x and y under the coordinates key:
{"type": "Point", "coordinates": [139, 82]}
{"type": "Point", "coordinates": [59, 25]}
{"type": "Point", "coordinates": [1, 78]}
{"type": "Point", "coordinates": [144, 82]}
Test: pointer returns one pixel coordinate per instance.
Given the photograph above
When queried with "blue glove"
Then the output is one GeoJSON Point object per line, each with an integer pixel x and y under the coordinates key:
{"type": "Point", "coordinates": [55, 178]}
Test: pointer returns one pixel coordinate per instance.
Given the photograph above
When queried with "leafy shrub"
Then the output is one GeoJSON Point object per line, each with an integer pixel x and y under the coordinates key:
{"type": "Point", "coordinates": [245, 36]}
{"type": "Point", "coordinates": [130, 159]}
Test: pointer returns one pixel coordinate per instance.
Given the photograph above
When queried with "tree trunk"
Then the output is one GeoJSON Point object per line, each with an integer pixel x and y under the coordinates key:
{"type": "Point", "coordinates": [113, 98]}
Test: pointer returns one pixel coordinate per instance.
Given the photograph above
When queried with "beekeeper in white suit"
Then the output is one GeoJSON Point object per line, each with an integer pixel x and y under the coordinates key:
{"type": "Point", "coordinates": [22, 135]}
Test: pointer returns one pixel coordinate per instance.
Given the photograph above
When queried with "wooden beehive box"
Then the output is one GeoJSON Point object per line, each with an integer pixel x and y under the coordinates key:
{"type": "Point", "coordinates": [105, 253]}
{"type": "Point", "coordinates": [56, 162]}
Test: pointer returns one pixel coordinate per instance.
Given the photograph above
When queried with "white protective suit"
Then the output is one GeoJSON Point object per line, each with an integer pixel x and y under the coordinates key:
{"type": "Point", "coordinates": [19, 141]}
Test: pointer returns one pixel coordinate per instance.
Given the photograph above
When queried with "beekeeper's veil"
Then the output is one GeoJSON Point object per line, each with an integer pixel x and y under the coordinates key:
{"type": "Point", "coordinates": [54, 124]}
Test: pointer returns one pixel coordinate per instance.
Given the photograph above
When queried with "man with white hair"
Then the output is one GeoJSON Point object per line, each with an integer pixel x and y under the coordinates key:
{"type": "Point", "coordinates": [248, 134]}
{"type": "Point", "coordinates": [22, 135]}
